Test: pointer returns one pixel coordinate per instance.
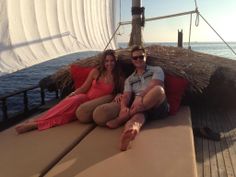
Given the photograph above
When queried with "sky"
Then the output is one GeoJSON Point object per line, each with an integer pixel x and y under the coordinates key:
{"type": "Point", "coordinates": [220, 14]}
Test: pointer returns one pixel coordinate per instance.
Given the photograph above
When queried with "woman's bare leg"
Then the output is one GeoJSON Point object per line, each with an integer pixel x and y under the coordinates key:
{"type": "Point", "coordinates": [105, 113]}
{"type": "Point", "coordinates": [132, 128]}
{"type": "Point", "coordinates": [84, 112]}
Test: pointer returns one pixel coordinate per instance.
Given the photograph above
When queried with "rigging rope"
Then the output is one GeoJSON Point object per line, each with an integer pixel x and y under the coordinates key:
{"type": "Point", "coordinates": [197, 20]}
{"type": "Point", "coordinates": [217, 34]}
{"type": "Point", "coordinates": [195, 1]}
{"type": "Point", "coordinates": [113, 35]}
{"type": "Point", "coordinates": [190, 25]}
{"type": "Point", "coordinates": [197, 17]}
{"type": "Point", "coordinates": [77, 41]}
{"type": "Point", "coordinates": [141, 11]}
{"type": "Point", "coordinates": [190, 30]}
{"type": "Point", "coordinates": [120, 12]}
{"type": "Point", "coordinates": [197, 23]}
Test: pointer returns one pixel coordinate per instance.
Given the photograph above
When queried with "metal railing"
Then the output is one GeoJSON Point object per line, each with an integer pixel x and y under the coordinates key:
{"type": "Point", "coordinates": [26, 109]}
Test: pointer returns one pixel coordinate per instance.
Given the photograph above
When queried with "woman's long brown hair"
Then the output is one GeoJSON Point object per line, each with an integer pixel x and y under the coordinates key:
{"type": "Point", "coordinates": [118, 78]}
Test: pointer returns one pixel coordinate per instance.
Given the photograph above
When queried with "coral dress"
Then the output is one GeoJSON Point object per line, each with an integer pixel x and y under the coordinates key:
{"type": "Point", "coordinates": [64, 111]}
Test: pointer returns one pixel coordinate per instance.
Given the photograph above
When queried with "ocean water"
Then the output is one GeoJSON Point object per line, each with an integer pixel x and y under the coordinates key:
{"type": "Point", "coordinates": [32, 75]}
{"type": "Point", "coordinates": [213, 48]}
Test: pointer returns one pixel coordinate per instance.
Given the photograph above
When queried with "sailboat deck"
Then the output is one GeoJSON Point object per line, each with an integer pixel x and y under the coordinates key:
{"type": "Point", "coordinates": [216, 158]}
{"type": "Point", "coordinates": [213, 158]}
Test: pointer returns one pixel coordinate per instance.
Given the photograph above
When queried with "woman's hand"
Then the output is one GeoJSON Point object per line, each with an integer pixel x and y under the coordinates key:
{"type": "Point", "coordinates": [72, 94]}
{"type": "Point", "coordinates": [118, 98]}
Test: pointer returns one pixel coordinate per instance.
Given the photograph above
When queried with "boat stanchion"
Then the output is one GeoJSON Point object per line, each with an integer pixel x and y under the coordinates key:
{"type": "Point", "coordinates": [4, 109]}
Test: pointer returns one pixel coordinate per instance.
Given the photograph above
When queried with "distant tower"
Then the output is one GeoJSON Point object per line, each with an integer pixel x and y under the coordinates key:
{"type": "Point", "coordinates": [137, 23]}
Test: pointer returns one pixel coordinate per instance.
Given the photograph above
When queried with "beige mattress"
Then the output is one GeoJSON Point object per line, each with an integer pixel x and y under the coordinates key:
{"type": "Point", "coordinates": [31, 154]}
{"type": "Point", "coordinates": [164, 148]}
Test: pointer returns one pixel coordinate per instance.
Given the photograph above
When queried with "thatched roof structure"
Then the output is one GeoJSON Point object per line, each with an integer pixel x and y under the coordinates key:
{"type": "Point", "coordinates": [197, 68]}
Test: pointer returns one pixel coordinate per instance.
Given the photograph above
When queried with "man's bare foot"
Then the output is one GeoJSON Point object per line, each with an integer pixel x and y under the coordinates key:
{"type": "Point", "coordinates": [126, 138]}
{"type": "Point", "coordinates": [25, 127]}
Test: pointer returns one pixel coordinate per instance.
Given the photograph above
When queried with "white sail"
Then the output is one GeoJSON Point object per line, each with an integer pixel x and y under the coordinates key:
{"type": "Point", "coordinates": [33, 31]}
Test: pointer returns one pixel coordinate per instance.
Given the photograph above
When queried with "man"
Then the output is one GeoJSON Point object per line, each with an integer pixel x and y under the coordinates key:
{"type": "Point", "coordinates": [146, 84]}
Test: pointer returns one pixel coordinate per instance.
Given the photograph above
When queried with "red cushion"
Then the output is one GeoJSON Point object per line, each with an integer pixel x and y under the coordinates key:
{"type": "Point", "coordinates": [79, 74]}
{"type": "Point", "coordinates": [175, 87]}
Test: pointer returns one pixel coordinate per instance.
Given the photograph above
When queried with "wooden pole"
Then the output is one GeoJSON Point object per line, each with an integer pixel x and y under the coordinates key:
{"type": "Point", "coordinates": [136, 33]}
{"type": "Point", "coordinates": [180, 38]}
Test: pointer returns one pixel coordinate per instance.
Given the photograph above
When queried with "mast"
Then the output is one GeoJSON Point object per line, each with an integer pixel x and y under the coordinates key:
{"type": "Point", "coordinates": [137, 23]}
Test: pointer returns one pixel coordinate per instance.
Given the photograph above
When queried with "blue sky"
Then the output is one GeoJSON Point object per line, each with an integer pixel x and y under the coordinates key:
{"type": "Point", "coordinates": [220, 14]}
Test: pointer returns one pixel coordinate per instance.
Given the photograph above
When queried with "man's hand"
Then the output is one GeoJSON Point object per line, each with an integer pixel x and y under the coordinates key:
{"type": "Point", "coordinates": [137, 105]}
{"type": "Point", "coordinates": [118, 98]}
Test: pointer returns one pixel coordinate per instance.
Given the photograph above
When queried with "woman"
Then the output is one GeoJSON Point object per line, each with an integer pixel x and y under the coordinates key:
{"type": "Point", "coordinates": [101, 81]}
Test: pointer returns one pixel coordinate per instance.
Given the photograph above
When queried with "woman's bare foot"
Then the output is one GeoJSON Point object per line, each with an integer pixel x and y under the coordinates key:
{"type": "Point", "coordinates": [126, 137]}
{"type": "Point", "coordinates": [25, 127]}
{"type": "Point", "coordinates": [122, 118]}
{"type": "Point", "coordinates": [115, 123]}
{"type": "Point", "coordinates": [136, 110]}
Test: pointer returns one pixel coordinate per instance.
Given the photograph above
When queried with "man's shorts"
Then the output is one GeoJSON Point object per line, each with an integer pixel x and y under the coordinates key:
{"type": "Point", "coordinates": [160, 112]}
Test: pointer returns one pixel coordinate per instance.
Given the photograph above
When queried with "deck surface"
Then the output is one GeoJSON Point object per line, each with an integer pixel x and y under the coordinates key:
{"type": "Point", "coordinates": [215, 158]}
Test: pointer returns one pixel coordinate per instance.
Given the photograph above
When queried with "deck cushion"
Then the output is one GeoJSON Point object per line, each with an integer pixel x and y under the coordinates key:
{"type": "Point", "coordinates": [163, 148]}
{"type": "Point", "coordinates": [175, 88]}
{"type": "Point", "coordinates": [32, 153]}
{"type": "Point", "coordinates": [79, 74]}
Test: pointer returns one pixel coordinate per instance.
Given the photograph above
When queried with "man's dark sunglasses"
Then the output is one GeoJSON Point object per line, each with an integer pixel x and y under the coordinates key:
{"type": "Point", "coordinates": [141, 57]}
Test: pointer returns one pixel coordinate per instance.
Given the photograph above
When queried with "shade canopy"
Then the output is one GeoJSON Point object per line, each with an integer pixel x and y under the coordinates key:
{"type": "Point", "coordinates": [33, 31]}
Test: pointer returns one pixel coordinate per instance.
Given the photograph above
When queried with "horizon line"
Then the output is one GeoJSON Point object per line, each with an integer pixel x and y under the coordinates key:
{"type": "Point", "coordinates": [184, 42]}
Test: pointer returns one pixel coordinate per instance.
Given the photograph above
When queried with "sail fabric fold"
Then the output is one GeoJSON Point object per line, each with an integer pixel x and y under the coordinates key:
{"type": "Point", "coordinates": [34, 31]}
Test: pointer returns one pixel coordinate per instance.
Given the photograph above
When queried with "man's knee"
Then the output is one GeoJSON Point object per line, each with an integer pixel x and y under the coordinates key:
{"type": "Point", "coordinates": [157, 91]}
{"type": "Point", "coordinates": [103, 113]}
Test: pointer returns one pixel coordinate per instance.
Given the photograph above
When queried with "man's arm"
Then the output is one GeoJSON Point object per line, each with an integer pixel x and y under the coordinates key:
{"type": "Point", "coordinates": [127, 93]}
{"type": "Point", "coordinates": [153, 83]}
{"type": "Point", "coordinates": [125, 99]}
{"type": "Point", "coordinates": [157, 79]}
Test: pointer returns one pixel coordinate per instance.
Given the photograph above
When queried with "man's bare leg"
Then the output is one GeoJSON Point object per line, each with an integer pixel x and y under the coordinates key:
{"type": "Point", "coordinates": [122, 118]}
{"type": "Point", "coordinates": [132, 128]}
{"type": "Point", "coordinates": [152, 99]}
{"type": "Point", "coordinates": [26, 126]}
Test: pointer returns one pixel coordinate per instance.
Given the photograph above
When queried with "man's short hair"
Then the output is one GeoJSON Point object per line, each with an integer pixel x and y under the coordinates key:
{"type": "Point", "coordinates": [136, 48]}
